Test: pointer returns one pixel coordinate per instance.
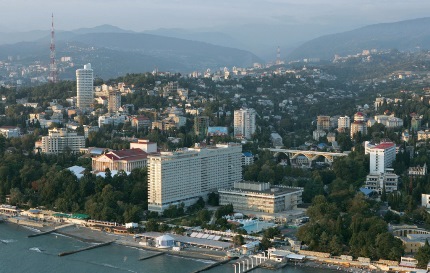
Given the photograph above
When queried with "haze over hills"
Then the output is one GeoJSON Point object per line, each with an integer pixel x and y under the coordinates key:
{"type": "Point", "coordinates": [403, 35]}
{"type": "Point", "coordinates": [116, 52]}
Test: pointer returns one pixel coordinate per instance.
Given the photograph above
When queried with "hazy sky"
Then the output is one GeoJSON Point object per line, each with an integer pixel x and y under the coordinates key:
{"type": "Point", "coordinates": [139, 15]}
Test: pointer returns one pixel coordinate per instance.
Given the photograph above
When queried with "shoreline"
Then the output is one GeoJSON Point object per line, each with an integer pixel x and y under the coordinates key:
{"type": "Point", "coordinates": [91, 236]}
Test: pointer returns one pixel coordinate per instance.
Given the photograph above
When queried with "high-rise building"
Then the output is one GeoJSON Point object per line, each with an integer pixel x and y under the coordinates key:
{"type": "Point", "coordinates": [85, 87]}
{"type": "Point", "coordinates": [201, 125]}
{"type": "Point", "coordinates": [185, 175]}
{"type": "Point", "coordinates": [60, 140]}
{"type": "Point", "coordinates": [244, 123]}
{"type": "Point", "coordinates": [381, 157]}
{"type": "Point", "coordinates": [343, 123]}
{"type": "Point", "coordinates": [323, 122]}
{"type": "Point", "coordinates": [114, 101]}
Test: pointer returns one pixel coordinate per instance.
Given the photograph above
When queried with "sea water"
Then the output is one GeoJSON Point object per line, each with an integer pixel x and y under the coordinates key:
{"type": "Point", "coordinates": [40, 255]}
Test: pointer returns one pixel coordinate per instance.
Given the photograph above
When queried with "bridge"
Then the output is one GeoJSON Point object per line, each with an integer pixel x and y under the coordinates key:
{"type": "Point", "coordinates": [310, 155]}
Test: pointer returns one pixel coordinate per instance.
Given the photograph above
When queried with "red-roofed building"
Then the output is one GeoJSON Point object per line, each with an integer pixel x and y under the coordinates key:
{"type": "Point", "coordinates": [125, 160]}
{"type": "Point", "coordinates": [381, 157]}
{"type": "Point", "coordinates": [141, 122]}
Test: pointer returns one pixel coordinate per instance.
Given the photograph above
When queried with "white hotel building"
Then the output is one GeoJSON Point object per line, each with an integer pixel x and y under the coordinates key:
{"type": "Point", "coordinates": [59, 140]}
{"type": "Point", "coordinates": [185, 175]}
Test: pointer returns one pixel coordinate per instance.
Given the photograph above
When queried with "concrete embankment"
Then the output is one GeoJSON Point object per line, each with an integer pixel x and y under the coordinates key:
{"type": "Point", "coordinates": [152, 256]}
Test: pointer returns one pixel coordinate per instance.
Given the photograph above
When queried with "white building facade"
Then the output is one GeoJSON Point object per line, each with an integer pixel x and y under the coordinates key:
{"type": "Point", "coordinates": [59, 140]}
{"type": "Point", "coordinates": [244, 123]}
{"type": "Point", "coordinates": [343, 123]}
{"type": "Point", "coordinates": [85, 86]}
{"type": "Point", "coordinates": [184, 176]}
{"type": "Point", "coordinates": [381, 157]}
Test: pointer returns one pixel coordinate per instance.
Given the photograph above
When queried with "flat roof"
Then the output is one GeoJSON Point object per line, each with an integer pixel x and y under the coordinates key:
{"type": "Point", "coordinates": [282, 190]}
{"type": "Point", "coordinates": [190, 240]}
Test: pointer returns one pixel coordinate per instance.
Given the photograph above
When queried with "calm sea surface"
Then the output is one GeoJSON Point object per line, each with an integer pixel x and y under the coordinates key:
{"type": "Point", "coordinates": [40, 254]}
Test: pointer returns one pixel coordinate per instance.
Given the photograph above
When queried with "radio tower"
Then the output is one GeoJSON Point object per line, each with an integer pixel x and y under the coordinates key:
{"type": "Point", "coordinates": [53, 65]}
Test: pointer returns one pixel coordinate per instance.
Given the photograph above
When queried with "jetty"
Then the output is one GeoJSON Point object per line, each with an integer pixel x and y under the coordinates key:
{"type": "Point", "coordinates": [49, 231]}
{"type": "Point", "coordinates": [212, 266]}
{"type": "Point", "coordinates": [84, 249]}
{"type": "Point", "coordinates": [152, 256]}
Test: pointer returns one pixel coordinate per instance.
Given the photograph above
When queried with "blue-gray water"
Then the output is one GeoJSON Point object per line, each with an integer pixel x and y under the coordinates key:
{"type": "Point", "coordinates": [40, 254]}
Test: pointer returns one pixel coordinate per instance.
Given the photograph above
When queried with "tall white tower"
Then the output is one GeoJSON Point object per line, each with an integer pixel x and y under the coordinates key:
{"type": "Point", "coordinates": [244, 123]}
{"type": "Point", "coordinates": [85, 86]}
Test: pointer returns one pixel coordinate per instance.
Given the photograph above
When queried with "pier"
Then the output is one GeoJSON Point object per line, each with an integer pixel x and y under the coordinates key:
{"type": "Point", "coordinates": [212, 266]}
{"type": "Point", "coordinates": [84, 249]}
{"type": "Point", "coordinates": [152, 256]}
{"type": "Point", "coordinates": [49, 231]}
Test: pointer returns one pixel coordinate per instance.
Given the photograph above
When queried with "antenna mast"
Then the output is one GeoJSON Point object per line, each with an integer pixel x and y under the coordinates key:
{"type": "Point", "coordinates": [53, 65]}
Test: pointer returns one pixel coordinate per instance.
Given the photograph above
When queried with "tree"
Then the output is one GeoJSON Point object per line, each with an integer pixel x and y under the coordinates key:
{"type": "Point", "coordinates": [423, 255]}
{"type": "Point", "coordinates": [238, 240]}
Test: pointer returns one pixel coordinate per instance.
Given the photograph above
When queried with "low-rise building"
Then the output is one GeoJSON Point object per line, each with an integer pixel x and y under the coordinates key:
{"type": "Point", "coordinates": [145, 145]}
{"type": "Point", "coordinates": [261, 197]}
{"type": "Point", "coordinates": [61, 140]}
{"type": "Point", "coordinates": [10, 131]}
{"type": "Point", "coordinates": [377, 182]}
{"type": "Point", "coordinates": [247, 158]}
{"type": "Point", "coordinates": [122, 160]}
{"type": "Point", "coordinates": [418, 171]}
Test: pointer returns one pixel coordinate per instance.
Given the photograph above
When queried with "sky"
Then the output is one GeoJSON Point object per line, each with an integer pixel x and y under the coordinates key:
{"type": "Point", "coordinates": [140, 15]}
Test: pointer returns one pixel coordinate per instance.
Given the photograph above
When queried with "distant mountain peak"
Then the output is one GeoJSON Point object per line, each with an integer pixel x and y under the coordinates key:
{"type": "Point", "coordinates": [106, 28]}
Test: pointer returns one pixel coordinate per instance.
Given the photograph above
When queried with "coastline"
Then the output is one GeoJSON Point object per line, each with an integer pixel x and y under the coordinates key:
{"type": "Point", "coordinates": [91, 236]}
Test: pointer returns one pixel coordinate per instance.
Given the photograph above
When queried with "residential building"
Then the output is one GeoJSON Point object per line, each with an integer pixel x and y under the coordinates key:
{"type": "Point", "coordinates": [418, 171]}
{"type": "Point", "coordinates": [358, 127]}
{"type": "Point", "coordinates": [276, 140]}
{"type": "Point", "coordinates": [10, 131]}
{"type": "Point", "coordinates": [244, 123]}
{"type": "Point", "coordinates": [85, 86]}
{"type": "Point", "coordinates": [359, 116]}
{"type": "Point", "coordinates": [114, 101]}
{"type": "Point", "coordinates": [423, 135]}
{"type": "Point", "coordinates": [389, 121]}
{"type": "Point", "coordinates": [331, 137]}
{"type": "Point", "coordinates": [247, 158]}
{"type": "Point", "coordinates": [317, 134]}
{"type": "Point", "coordinates": [425, 200]}
{"type": "Point", "coordinates": [261, 197]}
{"type": "Point", "coordinates": [381, 157]}
{"type": "Point", "coordinates": [112, 120]}
{"type": "Point", "coordinates": [140, 122]}
{"type": "Point", "coordinates": [323, 123]}
{"type": "Point", "coordinates": [416, 123]}
{"type": "Point", "coordinates": [377, 182]}
{"type": "Point", "coordinates": [185, 175]}
{"type": "Point", "coordinates": [201, 125]}
{"type": "Point", "coordinates": [60, 140]}
{"type": "Point", "coordinates": [343, 123]}
{"type": "Point", "coordinates": [144, 145]}
{"type": "Point", "coordinates": [89, 129]}
{"type": "Point", "coordinates": [121, 160]}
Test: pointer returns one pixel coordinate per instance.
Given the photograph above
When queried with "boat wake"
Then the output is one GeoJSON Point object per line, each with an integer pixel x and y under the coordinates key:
{"type": "Point", "coordinates": [8, 241]}
{"type": "Point", "coordinates": [36, 249]}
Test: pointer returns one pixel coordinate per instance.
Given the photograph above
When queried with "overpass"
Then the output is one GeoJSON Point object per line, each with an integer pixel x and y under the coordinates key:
{"type": "Point", "coordinates": [310, 155]}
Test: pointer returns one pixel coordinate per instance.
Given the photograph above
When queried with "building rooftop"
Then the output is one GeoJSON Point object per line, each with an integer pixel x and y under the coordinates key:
{"type": "Point", "coordinates": [384, 145]}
